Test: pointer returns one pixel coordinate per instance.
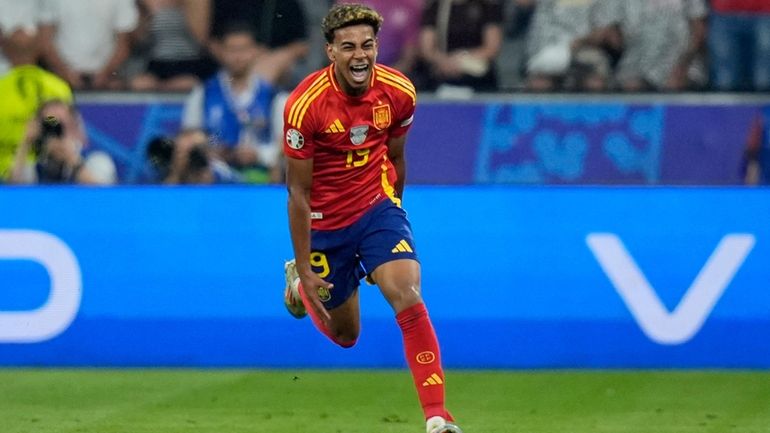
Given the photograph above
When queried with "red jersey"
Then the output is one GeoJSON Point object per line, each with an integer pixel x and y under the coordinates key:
{"type": "Point", "coordinates": [741, 6]}
{"type": "Point", "coordinates": [347, 138]}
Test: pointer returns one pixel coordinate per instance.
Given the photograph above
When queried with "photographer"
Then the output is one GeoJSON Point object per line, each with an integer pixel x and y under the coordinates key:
{"type": "Point", "coordinates": [188, 159]}
{"type": "Point", "coordinates": [51, 151]}
{"type": "Point", "coordinates": [26, 86]}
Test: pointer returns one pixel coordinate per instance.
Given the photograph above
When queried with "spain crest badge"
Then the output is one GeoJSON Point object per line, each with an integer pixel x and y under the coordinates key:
{"type": "Point", "coordinates": [381, 114]}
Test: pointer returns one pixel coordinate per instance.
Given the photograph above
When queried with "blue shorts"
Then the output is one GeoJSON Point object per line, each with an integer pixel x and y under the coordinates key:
{"type": "Point", "coordinates": [344, 256]}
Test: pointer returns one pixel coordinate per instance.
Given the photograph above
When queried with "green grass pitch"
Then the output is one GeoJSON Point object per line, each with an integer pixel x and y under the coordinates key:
{"type": "Point", "coordinates": [364, 401]}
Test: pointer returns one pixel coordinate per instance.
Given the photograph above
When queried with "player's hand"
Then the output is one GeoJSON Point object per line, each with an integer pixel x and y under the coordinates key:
{"type": "Point", "coordinates": [311, 282]}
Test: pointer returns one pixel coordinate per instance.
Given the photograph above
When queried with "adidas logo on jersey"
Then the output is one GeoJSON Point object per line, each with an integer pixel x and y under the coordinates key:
{"type": "Point", "coordinates": [335, 127]}
{"type": "Point", "coordinates": [433, 380]}
{"type": "Point", "coordinates": [402, 247]}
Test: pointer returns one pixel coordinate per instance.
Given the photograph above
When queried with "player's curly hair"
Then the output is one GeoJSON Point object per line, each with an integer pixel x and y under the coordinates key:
{"type": "Point", "coordinates": [345, 15]}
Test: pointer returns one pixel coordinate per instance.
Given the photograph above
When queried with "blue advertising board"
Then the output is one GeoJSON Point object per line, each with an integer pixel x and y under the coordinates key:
{"type": "Point", "coordinates": [538, 277]}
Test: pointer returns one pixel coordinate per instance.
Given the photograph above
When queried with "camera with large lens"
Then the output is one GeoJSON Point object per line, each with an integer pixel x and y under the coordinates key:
{"type": "Point", "coordinates": [198, 158]}
{"type": "Point", "coordinates": [50, 166]}
{"type": "Point", "coordinates": [50, 127]}
{"type": "Point", "coordinates": [160, 154]}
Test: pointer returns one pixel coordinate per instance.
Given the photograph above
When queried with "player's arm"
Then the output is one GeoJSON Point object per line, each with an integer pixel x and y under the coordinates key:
{"type": "Point", "coordinates": [396, 154]}
{"type": "Point", "coordinates": [299, 180]}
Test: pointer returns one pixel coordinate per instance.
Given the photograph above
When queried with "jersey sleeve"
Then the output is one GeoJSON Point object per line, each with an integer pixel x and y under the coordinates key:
{"type": "Point", "coordinates": [403, 121]}
{"type": "Point", "coordinates": [297, 136]}
{"type": "Point", "coordinates": [406, 101]}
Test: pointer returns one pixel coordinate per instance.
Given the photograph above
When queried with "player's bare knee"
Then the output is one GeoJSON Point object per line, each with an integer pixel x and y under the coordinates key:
{"type": "Point", "coordinates": [403, 297]}
{"type": "Point", "coordinates": [346, 339]}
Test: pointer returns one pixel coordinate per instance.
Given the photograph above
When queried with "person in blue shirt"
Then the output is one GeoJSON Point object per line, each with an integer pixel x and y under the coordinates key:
{"type": "Point", "coordinates": [236, 107]}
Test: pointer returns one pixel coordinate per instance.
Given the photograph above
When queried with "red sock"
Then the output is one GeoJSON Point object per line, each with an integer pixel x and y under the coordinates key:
{"type": "Point", "coordinates": [424, 359]}
{"type": "Point", "coordinates": [319, 324]}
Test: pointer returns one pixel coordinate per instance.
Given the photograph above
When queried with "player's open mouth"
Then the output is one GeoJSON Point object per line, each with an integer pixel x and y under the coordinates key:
{"type": "Point", "coordinates": [359, 72]}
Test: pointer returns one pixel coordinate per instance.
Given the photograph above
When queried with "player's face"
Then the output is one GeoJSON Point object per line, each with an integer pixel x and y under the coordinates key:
{"type": "Point", "coordinates": [353, 52]}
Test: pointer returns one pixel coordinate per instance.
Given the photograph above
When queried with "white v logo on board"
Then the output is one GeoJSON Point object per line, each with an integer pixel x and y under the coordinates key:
{"type": "Point", "coordinates": [651, 314]}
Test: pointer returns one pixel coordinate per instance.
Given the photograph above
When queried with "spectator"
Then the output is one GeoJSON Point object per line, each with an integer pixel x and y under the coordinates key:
{"type": "Point", "coordinates": [398, 40]}
{"type": "Point", "coordinates": [566, 45]}
{"type": "Point", "coordinates": [739, 44]}
{"type": "Point", "coordinates": [459, 42]}
{"type": "Point", "coordinates": [15, 17]}
{"type": "Point", "coordinates": [279, 25]}
{"type": "Point", "coordinates": [235, 107]}
{"type": "Point", "coordinates": [512, 58]}
{"type": "Point", "coordinates": [176, 35]}
{"type": "Point", "coordinates": [518, 16]}
{"type": "Point", "coordinates": [662, 39]}
{"type": "Point", "coordinates": [315, 58]}
{"type": "Point", "coordinates": [188, 159]}
{"type": "Point", "coordinates": [86, 41]}
{"type": "Point", "coordinates": [24, 88]}
{"type": "Point", "coordinates": [757, 156]}
{"type": "Point", "coordinates": [55, 141]}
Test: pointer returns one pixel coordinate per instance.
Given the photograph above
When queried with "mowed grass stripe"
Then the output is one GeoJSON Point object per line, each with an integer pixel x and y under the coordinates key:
{"type": "Point", "coordinates": [291, 401]}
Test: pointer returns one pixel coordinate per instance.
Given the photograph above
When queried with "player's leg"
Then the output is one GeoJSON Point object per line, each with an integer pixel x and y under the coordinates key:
{"type": "Point", "coordinates": [399, 281]}
{"type": "Point", "coordinates": [344, 327]}
{"type": "Point", "coordinates": [333, 259]}
{"type": "Point", "coordinates": [388, 251]}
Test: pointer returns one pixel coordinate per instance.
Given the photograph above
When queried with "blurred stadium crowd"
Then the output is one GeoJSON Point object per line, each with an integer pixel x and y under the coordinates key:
{"type": "Point", "coordinates": [235, 59]}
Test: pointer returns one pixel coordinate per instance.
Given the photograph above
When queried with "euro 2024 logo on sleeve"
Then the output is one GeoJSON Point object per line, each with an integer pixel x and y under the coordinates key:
{"type": "Point", "coordinates": [63, 303]}
{"type": "Point", "coordinates": [295, 139]}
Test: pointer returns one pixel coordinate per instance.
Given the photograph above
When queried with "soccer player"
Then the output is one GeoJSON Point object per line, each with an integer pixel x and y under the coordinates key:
{"type": "Point", "coordinates": [345, 131]}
